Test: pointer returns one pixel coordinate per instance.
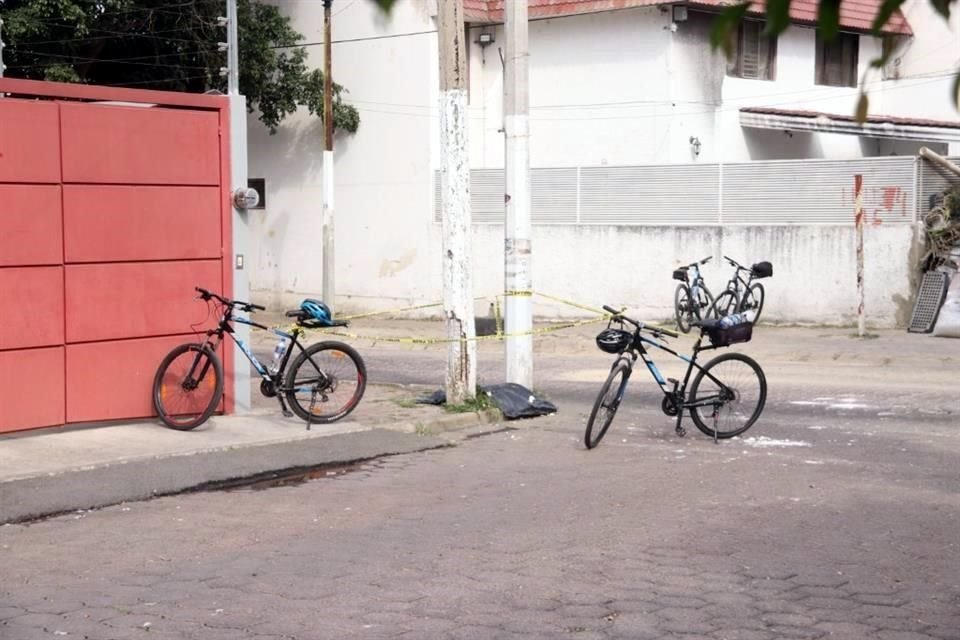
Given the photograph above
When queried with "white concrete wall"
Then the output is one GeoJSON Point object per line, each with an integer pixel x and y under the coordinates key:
{"type": "Point", "coordinates": [387, 246]}
{"type": "Point", "coordinates": [814, 268]}
{"type": "Point", "coordinates": [647, 95]}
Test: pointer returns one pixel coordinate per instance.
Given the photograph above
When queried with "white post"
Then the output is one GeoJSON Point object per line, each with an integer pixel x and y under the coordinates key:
{"type": "Point", "coordinates": [518, 287]}
{"type": "Point", "coordinates": [2, 66]}
{"type": "Point", "coordinates": [329, 261]}
{"type": "Point", "coordinates": [858, 218]}
{"type": "Point", "coordinates": [238, 180]}
{"type": "Point", "coordinates": [461, 375]}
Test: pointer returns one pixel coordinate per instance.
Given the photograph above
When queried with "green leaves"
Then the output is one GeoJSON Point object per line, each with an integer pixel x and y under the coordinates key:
{"type": "Point", "coordinates": [159, 44]}
{"type": "Point", "coordinates": [828, 19]}
{"type": "Point", "coordinates": [725, 26]}
{"type": "Point", "coordinates": [887, 8]}
{"type": "Point", "coordinates": [778, 17]}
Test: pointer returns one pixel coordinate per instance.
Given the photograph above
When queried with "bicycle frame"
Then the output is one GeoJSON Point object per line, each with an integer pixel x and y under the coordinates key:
{"type": "Point", "coordinates": [675, 396]}
{"type": "Point", "coordinates": [272, 382]}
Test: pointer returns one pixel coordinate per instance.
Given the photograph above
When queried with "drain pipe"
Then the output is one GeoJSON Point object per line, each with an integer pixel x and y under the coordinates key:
{"type": "Point", "coordinates": [936, 158]}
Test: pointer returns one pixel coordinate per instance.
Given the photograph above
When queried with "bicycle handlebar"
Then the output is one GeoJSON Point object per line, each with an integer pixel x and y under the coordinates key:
{"type": "Point", "coordinates": [704, 261]}
{"type": "Point", "coordinates": [656, 331]}
{"type": "Point", "coordinates": [734, 263]}
{"type": "Point", "coordinates": [245, 306]}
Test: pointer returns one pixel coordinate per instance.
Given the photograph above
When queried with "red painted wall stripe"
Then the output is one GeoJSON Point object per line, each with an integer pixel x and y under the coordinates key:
{"type": "Point", "coordinates": [146, 145]}
{"type": "Point", "coordinates": [137, 299]}
{"type": "Point", "coordinates": [31, 389]}
{"type": "Point", "coordinates": [31, 230]}
{"type": "Point", "coordinates": [29, 141]}
{"type": "Point", "coordinates": [31, 314]}
{"type": "Point", "coordinates": [117, 223]}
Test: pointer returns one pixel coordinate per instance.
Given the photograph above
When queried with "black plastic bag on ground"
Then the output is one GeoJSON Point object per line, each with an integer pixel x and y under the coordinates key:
{"type": "Point", "coordinates": [513, 400]}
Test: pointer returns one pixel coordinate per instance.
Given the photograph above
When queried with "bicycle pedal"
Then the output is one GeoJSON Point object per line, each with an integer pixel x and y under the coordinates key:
{"type": "Point", "coordinates": [287, 413]}
{"type": "Point", "coordinates": [681, 432]}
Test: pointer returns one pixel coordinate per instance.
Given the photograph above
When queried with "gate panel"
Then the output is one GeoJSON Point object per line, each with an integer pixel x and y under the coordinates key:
{"type": "Point", "coordinates": [29, 141]}
{"type": "Point", "coordinates": [145, 145]}
{"type": "Point", "coordinates": [136, 299]}
{"type": "Point", "coordinates": [32, 303]}
{"type": "Point", "coordinates": [123, 223]}
{"type": "Point", "coordinates": [30, 225]}
{"type": "Point", "coordinates": [31, 388]}
{"type": "Point", "coordinates": [112, 380]}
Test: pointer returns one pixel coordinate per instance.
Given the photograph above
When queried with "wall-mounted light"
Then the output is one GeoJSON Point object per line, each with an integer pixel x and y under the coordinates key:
{"type": "Point", "coordinates": [246, 198]}
{"type": "Point", "coordinates": [679, 13]}
{"type": "Point", "coordinates": [695, 145]}
{"type": "Point", "coordinates": [484, 39]}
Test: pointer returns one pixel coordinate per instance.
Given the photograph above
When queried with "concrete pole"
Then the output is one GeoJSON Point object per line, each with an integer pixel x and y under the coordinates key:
{"type": "Point", "coordinates": [858, 218]}
{"type": "Point", "coordinates": [2, 66]}
{"type": "Point", "coordinates": [233, 50]}
{"type": "Point", "coordinates": [238, 180]}
{"type": "Point", "coordinates": [461, 375]}
{"type": "Point", "coordinates": [518, 287]}
{"type": "Point", "coordinates": [329, 263]}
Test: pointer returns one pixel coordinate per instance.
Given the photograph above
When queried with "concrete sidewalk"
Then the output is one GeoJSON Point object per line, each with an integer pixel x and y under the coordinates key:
{"type": "Point", "coordinates": [50, 471]}
{"type": "Point", "coordinates": [55, 470]}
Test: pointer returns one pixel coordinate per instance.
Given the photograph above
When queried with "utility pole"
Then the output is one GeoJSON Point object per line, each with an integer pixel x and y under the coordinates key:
{"type": "Point", "coordinates": [518, 287]}
{"type": "Point", "coordinates": [461, 376]}
{"type": "Point", "coordinates": [2, 66]}
{"type": "Point", "coordinates": [329, 290]}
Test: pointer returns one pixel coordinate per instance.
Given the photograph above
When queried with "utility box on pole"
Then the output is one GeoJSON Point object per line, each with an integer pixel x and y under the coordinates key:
{"type": "Point", "coordinates": [461, 376]}
{"type": "Point", "coordinates": [518, 250]}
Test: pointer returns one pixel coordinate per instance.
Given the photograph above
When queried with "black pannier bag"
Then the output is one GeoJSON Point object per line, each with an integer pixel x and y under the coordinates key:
{"type": "Point", "coordinates": [726, 336]}
{"type": "Point", "coordinates": [762, 270]}
{"type": "Point", "coordinates": [680, 274]}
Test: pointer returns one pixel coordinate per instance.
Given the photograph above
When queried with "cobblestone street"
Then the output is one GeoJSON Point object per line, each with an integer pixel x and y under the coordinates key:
{"type": "Point", "coordinates": [845, 530]}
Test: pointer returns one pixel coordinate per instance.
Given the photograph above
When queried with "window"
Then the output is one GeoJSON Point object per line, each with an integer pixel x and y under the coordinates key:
{"type": "Point", "coordinates": [837, 60]}
{"type": "Point", "coordinates": [260, 186]}
{"type": "Point", "coordinates": [756, 54]}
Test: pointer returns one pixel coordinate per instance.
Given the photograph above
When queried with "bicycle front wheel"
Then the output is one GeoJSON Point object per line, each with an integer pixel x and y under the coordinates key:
{"type": "Point", "coordinates": [326, 382]}
{"type": "Point", "coordinates": [728, 395]}
{"type": "Point", "coordinates": [682, 305]}
{"type": "Point", "coordinates": [188, 386]}
{"type": "Point", "coordinates": [608, 401]}
{"type": "Point", "coordinates": [753, 301]}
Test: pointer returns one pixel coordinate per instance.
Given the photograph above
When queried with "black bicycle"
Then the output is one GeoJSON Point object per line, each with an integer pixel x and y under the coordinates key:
{"type": "Point", "coordinates": [742, 293]}
{"type": "Point", "coordinates": [692, 299]}
{"type": "Point", "coordinates": [324, 383]}
{"type": "Point", "coordinates": [726, 396]}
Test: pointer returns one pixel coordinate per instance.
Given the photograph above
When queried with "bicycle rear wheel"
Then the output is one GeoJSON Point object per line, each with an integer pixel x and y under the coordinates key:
{"type": "Point", "coordinates": [606, 405]}
{"type": "Point", "coordinates": [725, 304]}
{"type": "Point", "coordinates": [682, 307]}
{"type": "Point", "coordinates": [188, 386]}
{"type": "Point", "coordinates": [326, 382]}
{"type": "Point", "coordinates": [733, 390]}
{"type": "Point", "coordinates": [753, 301]}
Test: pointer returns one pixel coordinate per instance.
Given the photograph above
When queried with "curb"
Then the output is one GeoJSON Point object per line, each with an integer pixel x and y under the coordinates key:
{"type": "Point", "coordinates": [94, 486]}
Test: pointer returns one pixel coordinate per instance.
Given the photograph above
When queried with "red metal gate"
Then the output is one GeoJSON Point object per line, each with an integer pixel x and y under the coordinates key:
{"type": "Point", "coordinates": [114, 204]}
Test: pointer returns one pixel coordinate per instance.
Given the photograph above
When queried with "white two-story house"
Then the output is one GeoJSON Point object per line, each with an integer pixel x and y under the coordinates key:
{"type": "Point", "coordinates": [648, 149]}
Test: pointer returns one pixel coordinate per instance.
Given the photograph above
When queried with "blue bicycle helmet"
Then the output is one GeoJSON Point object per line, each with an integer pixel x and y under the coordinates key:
{"type": "Point", "coordinates": [315, 312]}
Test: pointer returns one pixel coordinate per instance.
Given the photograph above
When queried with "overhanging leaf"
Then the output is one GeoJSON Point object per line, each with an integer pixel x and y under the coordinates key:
{"type": "Point", "coordinates": [956, 90]}
{"type": "Point", "coordinates": [942, 7]}
{"type": "Point", "coordinates": [725, 25]}
{"type": "Point", "coordinates": [778, 17]}
{"type": "Point", "coordinates": [828, 19]}
{"type": "Point", "coordinates": [883, 15]}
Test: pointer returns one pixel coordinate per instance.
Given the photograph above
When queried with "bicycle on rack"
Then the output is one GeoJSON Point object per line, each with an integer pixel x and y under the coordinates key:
{"type": "Point", "coordinates": [726, 397]}
{"type": "Point", "coordinates": [692, 299]}
{"type": "Point", "coordinates": [742, 293]}
{"type": "Point", "coordinates": [324, 383]}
